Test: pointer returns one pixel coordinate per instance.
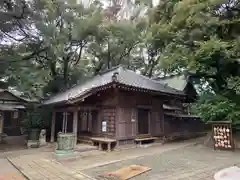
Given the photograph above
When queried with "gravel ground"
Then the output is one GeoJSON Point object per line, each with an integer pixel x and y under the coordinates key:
{"type": "Point", "coordinates": [191, 163]}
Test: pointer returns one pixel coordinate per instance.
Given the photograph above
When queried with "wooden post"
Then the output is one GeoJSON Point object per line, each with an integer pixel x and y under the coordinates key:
{"type": "Point", "coordinates": [100, 146]}
{"type": "Point", "coordinates": [1, 122]}
{"type": "Point", "coordinates": [109, 147]}
{"type": "Point", "coordinates": [53, 126]}
{"type": "Point", "coordinates": [75, 124]}
{"type": "Point", "coordinates": [1, 125]}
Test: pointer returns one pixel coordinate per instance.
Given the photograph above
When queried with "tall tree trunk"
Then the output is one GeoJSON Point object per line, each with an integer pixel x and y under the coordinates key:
{"type": "Point", "coordinates": [53, 69]}
{"type": "Point", "coordinates": [109, 57]}
{"type": "Point", "coordinates": [65, 72]}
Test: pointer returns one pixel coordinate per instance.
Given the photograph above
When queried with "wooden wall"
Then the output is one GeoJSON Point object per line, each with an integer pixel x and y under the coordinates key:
{"type": "Point", "coordinates": [11, 125]}
{"type": "Point", "coordinates": [127, 120]}
{"type": "Point", "coordinates": [126, 123]}
{"type": "Point", "coordinates": [108, 114]}
{"type": "Point", "coordinates": [119, 109]}
{"type": "Point", "coordinates": [174, 125]}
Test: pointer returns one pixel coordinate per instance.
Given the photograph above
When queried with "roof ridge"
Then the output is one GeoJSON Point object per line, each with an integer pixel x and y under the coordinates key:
{"type": "Point", "coordinates": [170, 76]}
{"type": "Point", "coordinates": [111, 69]}
{"type": "Point", "coordinates": [184, 73]}
{"type": "Point", "coordinates": [153, 80]}
{"type": "Point", "coordinates": [145, 77]}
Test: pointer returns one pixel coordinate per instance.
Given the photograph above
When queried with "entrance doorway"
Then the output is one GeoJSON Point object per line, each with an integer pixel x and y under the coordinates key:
{"type": "Point", "coordinates": [63, 123]}
{"type": "Point", "coordinates": [88, 122]}
{"type": "Point", "coordinates": [143, 121]}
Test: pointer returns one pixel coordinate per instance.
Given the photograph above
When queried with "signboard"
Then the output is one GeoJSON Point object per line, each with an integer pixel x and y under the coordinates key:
{"type": "Point", "coordinates": [15, 114]}
{"type": "Point", "coordinates": [104, 126]}
{"type": "Point", "coordinates": [222, 136]}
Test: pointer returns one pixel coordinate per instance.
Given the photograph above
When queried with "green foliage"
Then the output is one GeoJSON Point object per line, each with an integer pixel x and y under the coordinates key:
{"type": "Point", "coordinates": [217, 108]}
{"type": "Point", "coordinates": [50, 58]}
{"type": "Point", "coordinates": [202, 38]}
{"type": "Point", "coordinates": [34, 118]}
{"type": "Point", "coordinates": [66, 42]}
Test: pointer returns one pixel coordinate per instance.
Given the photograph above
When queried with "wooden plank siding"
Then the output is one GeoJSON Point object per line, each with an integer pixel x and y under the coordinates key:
{"type": "Point", "coordinates": [127, 120]}
{"type": "Point", "coordinates": [126, 123]}
{"type": "Point", "coordinates": [108, 114]}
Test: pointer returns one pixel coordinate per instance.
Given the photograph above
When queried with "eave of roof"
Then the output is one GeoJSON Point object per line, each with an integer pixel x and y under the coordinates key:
{"type": "Point", "coordinates": [11, 107]}
{"type": "Point", "coordinates": [168, 107]}
{"type": "Point", "coordinates": [181, 115]}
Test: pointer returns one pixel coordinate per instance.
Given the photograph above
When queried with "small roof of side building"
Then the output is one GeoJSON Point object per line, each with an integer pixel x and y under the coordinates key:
{"type": "Point", "coordinates": [181, 82]}
{"type": "Point", "coordinates": [123, 76]}
{"type": "Point", "coordinates": [178, 81]}
{"type": "Point", "coordinates": [10, 101]}
{"type": "Point", "coordinates": [7, 95]}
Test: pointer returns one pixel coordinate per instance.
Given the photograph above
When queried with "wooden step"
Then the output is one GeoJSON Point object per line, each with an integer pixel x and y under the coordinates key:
{"type": "Point", "coordinates": [142, 136]}
{"type": "Point", "coordinates": [84, 140]}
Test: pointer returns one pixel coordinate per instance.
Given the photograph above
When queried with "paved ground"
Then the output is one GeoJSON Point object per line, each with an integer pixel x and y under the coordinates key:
{"type": "Point", "coordinates": [176, 161]}
{"type": "Point", "coordinates": [91, 160]}
{"type": "Point", "coordinates": [191, 163]}
{"type": "Point", "coordinates": [46, 165]}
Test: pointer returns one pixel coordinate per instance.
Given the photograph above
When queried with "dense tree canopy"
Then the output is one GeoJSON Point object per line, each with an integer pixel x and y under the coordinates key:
{"type": "Point", "coordinates": [48, 46]}
{"type": "Point", "coordinates": [203, 38]}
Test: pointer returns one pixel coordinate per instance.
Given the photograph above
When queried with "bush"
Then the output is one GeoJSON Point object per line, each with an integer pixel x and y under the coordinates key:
{"type": "Point", "coordinates": [211, 107]}
{"type": "Point", "coordinates": [33, 119]}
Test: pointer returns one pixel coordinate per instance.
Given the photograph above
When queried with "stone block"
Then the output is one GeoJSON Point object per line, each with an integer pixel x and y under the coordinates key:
{"type": "Point", "coordinates": [32, 144]}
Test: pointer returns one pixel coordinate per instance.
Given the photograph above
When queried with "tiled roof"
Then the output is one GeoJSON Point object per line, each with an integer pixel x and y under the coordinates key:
{"type": "Point", "coordinates": [178, 82]}
{"type": "Point", "coordinates": [15, 95]}
{"type": "Point", "coordinates": [125, 77]}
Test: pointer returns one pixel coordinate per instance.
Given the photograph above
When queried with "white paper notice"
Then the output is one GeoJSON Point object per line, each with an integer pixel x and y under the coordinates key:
{"type": "Point", "coordinates": [104, 126]}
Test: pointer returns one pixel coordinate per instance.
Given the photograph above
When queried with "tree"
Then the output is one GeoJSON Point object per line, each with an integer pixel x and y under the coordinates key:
{"type": "Point", "coordinates": [203, 39]}
{"type": "Point", "coordinates": [125, 38]}
{"type": "Point", "coordinates": [52, 51]}
{"type": "Point", "coordinates": [15, 19]}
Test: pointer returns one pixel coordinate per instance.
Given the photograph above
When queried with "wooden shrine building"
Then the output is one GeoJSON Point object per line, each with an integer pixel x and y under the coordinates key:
{"type": "Point", "coordinates": [178, 120]}
{"type": "Point", "coordinates": [118, 104]}
{"type": "Point", "coordinates": [12, 109]}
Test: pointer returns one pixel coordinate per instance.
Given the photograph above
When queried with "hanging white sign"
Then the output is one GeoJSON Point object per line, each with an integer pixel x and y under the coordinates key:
{"type": "Point", "coordinates": [15, 114]}
{"type": "Point", "coordinates": [104, 126]}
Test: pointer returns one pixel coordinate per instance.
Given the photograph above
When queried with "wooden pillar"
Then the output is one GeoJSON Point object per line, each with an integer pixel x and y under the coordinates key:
{"type": "Point", "coordinates": [75, 124]}
{"type": "Point", "coordinates": [109, 147]}
{"type": "Point", "coordinates": [53, 126]}
{"type": "Point", "coordinates": [1, 122]}
{"type": "Point", "coordinates": [100, 146]}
